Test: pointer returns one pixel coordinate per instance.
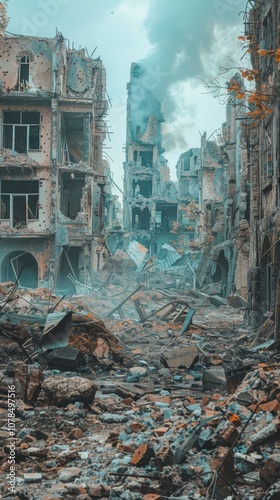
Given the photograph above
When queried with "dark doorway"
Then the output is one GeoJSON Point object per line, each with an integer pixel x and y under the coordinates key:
{"type": "Point", "coordinates": [21, 266]}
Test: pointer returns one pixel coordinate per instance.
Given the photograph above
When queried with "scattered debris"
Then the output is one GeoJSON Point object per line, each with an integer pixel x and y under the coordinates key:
{"type": "Point", "coordinates": [138, 406]}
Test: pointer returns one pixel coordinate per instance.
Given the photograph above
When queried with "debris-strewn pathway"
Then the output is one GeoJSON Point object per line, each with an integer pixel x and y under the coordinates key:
{"type": "Point", "coordinates": [141, 409]}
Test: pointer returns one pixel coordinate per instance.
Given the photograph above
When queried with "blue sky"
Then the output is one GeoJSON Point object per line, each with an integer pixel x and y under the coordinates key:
{"type": "Point", "coordinates": [190, 36]}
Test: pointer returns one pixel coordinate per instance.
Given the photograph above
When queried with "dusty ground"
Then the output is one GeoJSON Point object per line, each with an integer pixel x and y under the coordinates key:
{"type": "Point", "coordinates": [132, 441]}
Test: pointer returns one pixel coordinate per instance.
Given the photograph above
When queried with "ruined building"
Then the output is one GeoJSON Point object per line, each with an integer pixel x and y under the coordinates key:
{"type": "Point", "coordinates": [215, 202]}
{"type": "Point", "coordinates": [150, 197]}
{"type": "Point", "coordinates": [264, 277]}
{"type": "Point", "coordinates": [51, 173]}
{"type": "Point", "coordinates": [235, 218]}
{"type": "Point", "coordinates": [229, 210]}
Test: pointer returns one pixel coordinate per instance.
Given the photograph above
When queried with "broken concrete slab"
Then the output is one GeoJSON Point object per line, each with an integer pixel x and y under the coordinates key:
{"type": "Point", "coordinates": [216, 300]}
{"type": "Point", "coordinates": [66, 358]}
{"type": "Point", "coordinates": [236, 301]}
{"type": "Point", "coordinates": [62, 390]}
{"type": "Point", "coordinates": [271, 430]}
{"type": "Point", "coordinates": [213, 378]}
{"type": "Point", "coordinates": [180, 358]}
{"type": "Point", "coordinates": [129, 390]}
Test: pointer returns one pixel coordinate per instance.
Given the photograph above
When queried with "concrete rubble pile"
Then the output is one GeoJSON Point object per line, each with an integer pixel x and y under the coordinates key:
{"type": "Point", "coordinates": [180, 402]}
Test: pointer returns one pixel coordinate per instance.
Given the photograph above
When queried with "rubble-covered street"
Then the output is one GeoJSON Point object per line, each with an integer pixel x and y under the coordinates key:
{"type": "Point", "coordinates": [112, 406]}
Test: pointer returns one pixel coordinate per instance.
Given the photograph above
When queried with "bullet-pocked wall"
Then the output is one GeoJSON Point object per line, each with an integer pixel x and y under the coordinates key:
{"type": "Point", "coordinates": [52, 109]}
{"type": "Point", "coordinates": [26, 64]}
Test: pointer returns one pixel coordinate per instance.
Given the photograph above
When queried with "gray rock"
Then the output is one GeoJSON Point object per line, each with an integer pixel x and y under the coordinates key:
{"type": "Point", "coordinates": [63, 390]}
{"type": "Point", "coordinates": [69, 474]}
{"type": "Point", "coordinates": [111, 418]}
{"type": "Point", "coordinates": [32, 477]}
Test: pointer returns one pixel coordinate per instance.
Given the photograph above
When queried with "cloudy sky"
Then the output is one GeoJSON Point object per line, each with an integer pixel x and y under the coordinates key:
{"type": "Point", "coordinates": [179, 40]}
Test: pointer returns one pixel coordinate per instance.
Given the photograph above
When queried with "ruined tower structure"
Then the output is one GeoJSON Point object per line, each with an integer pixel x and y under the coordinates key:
{"type": "Point", "coordinates": [150, 201]}
{"type": "Point", "coordinates": [52, 179]}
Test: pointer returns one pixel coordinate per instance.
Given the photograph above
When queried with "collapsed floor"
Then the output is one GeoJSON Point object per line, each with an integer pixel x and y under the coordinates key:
{"type": "Point", "coordinates": [168, 395]}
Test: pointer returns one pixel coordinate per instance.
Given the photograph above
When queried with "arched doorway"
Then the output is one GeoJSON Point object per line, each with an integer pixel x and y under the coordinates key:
{"type": "Point", "coordinates": [266, 276]}
{"type": "Point", "coordinates": [21, 266]}
{"type": "Point", "coordinates": [221, 273]}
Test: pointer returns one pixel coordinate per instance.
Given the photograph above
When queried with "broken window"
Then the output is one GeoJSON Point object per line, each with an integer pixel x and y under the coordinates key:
{"type": "Point", "coordinates": [141, 218]}
{"type": "Point", "coordinates": [21, 130]}
{"type": "Point", "coordinates": [71, 194]}
{"type": "Point", "coordinates": [19, 202]}
{"type": "Point", "coordinates": [168, 215]}
{"type": "Point", "coordinates": [146, 158]}
{"type": "Point", "coordinates": [75, 138]}
{"type": "Point", "coordinates": [23, 73]}
{"type": "Point", "coordinates": [143, 188]}
{"type": "Point", "coordinates": [187, 164]}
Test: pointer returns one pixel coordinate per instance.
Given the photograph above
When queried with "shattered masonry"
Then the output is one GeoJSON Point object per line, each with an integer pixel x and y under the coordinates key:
{"type": "Point", "coordinates": [53, 198]}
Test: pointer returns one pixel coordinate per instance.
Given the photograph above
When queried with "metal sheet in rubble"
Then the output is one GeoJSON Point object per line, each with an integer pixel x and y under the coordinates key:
{"type": "Point", "coordinates": [171, 257]}
{"type": "Point", "coordinates": [56, 331]}
{"type": "Point", "coordinates": [56, 319]}
{"type": "Point", "coordinates": [137, 253]}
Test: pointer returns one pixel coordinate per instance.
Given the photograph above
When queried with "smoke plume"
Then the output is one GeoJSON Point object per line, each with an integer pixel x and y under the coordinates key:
{"type": "Point", "coordinates": [182, 33]}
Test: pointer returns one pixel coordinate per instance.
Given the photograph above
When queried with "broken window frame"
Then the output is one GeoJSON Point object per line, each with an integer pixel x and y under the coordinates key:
{"type": "Point", "coordinates": [12, 134]}
{"type": "Point", "coordinates": [23, 72]}
{"type": "Point", "coordinates": [9, 201]}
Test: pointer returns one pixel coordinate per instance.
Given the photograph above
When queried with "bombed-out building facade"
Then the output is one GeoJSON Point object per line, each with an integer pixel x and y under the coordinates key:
{"type": "Point", "coordinates": [264, 275]}
{"type": "Point", "coordinates": [51, 172]}
{"type": "Point", "coordinates": [150, 197]}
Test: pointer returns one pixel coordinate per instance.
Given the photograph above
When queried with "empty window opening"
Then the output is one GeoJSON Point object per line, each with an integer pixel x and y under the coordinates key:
{"type": "Point", "coordinates": [187, 164]}
{"type": "Point", "coordinates": [20, 202]}
{"type": "Point", "coordinates": [71, 195]}
{"type": "Point", "coordinates": [141, 218]}
{"type": "Point", "coordinates": [143, 188]}
{"type": "Point", "coordinates": [146, 158]}
{"type": "Point", "coordinates": [23, 73]}
{"type": "Point", "coordinates": [21, 267]}
{"type": "Point", "coordinates": [72, 138]}
{"type": "Point", "coordinates": [21, 130]}
{"type": "Point", "coordinates": [158, 218]}
{"type": "Point", "coordinates": [68, 269]}
{"type": "Point", "coordinates": [166, 215]}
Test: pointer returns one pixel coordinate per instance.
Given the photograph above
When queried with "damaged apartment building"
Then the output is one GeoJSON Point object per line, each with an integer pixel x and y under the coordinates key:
{"type": "Point", "coordinates": [214, 203]}
{"type": "Point", "coordinates": [150, 197]}
{"type": "Point", "coordinates": [246, 233]}
{"type": "Point", "coordinates": [225, 200]}
{"type": "Point", "coordinates": [264, 275]}
{"type": "Point", "coordinates": [239, 181]}
{"type": "Point", "coordinates": [52, 178]}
